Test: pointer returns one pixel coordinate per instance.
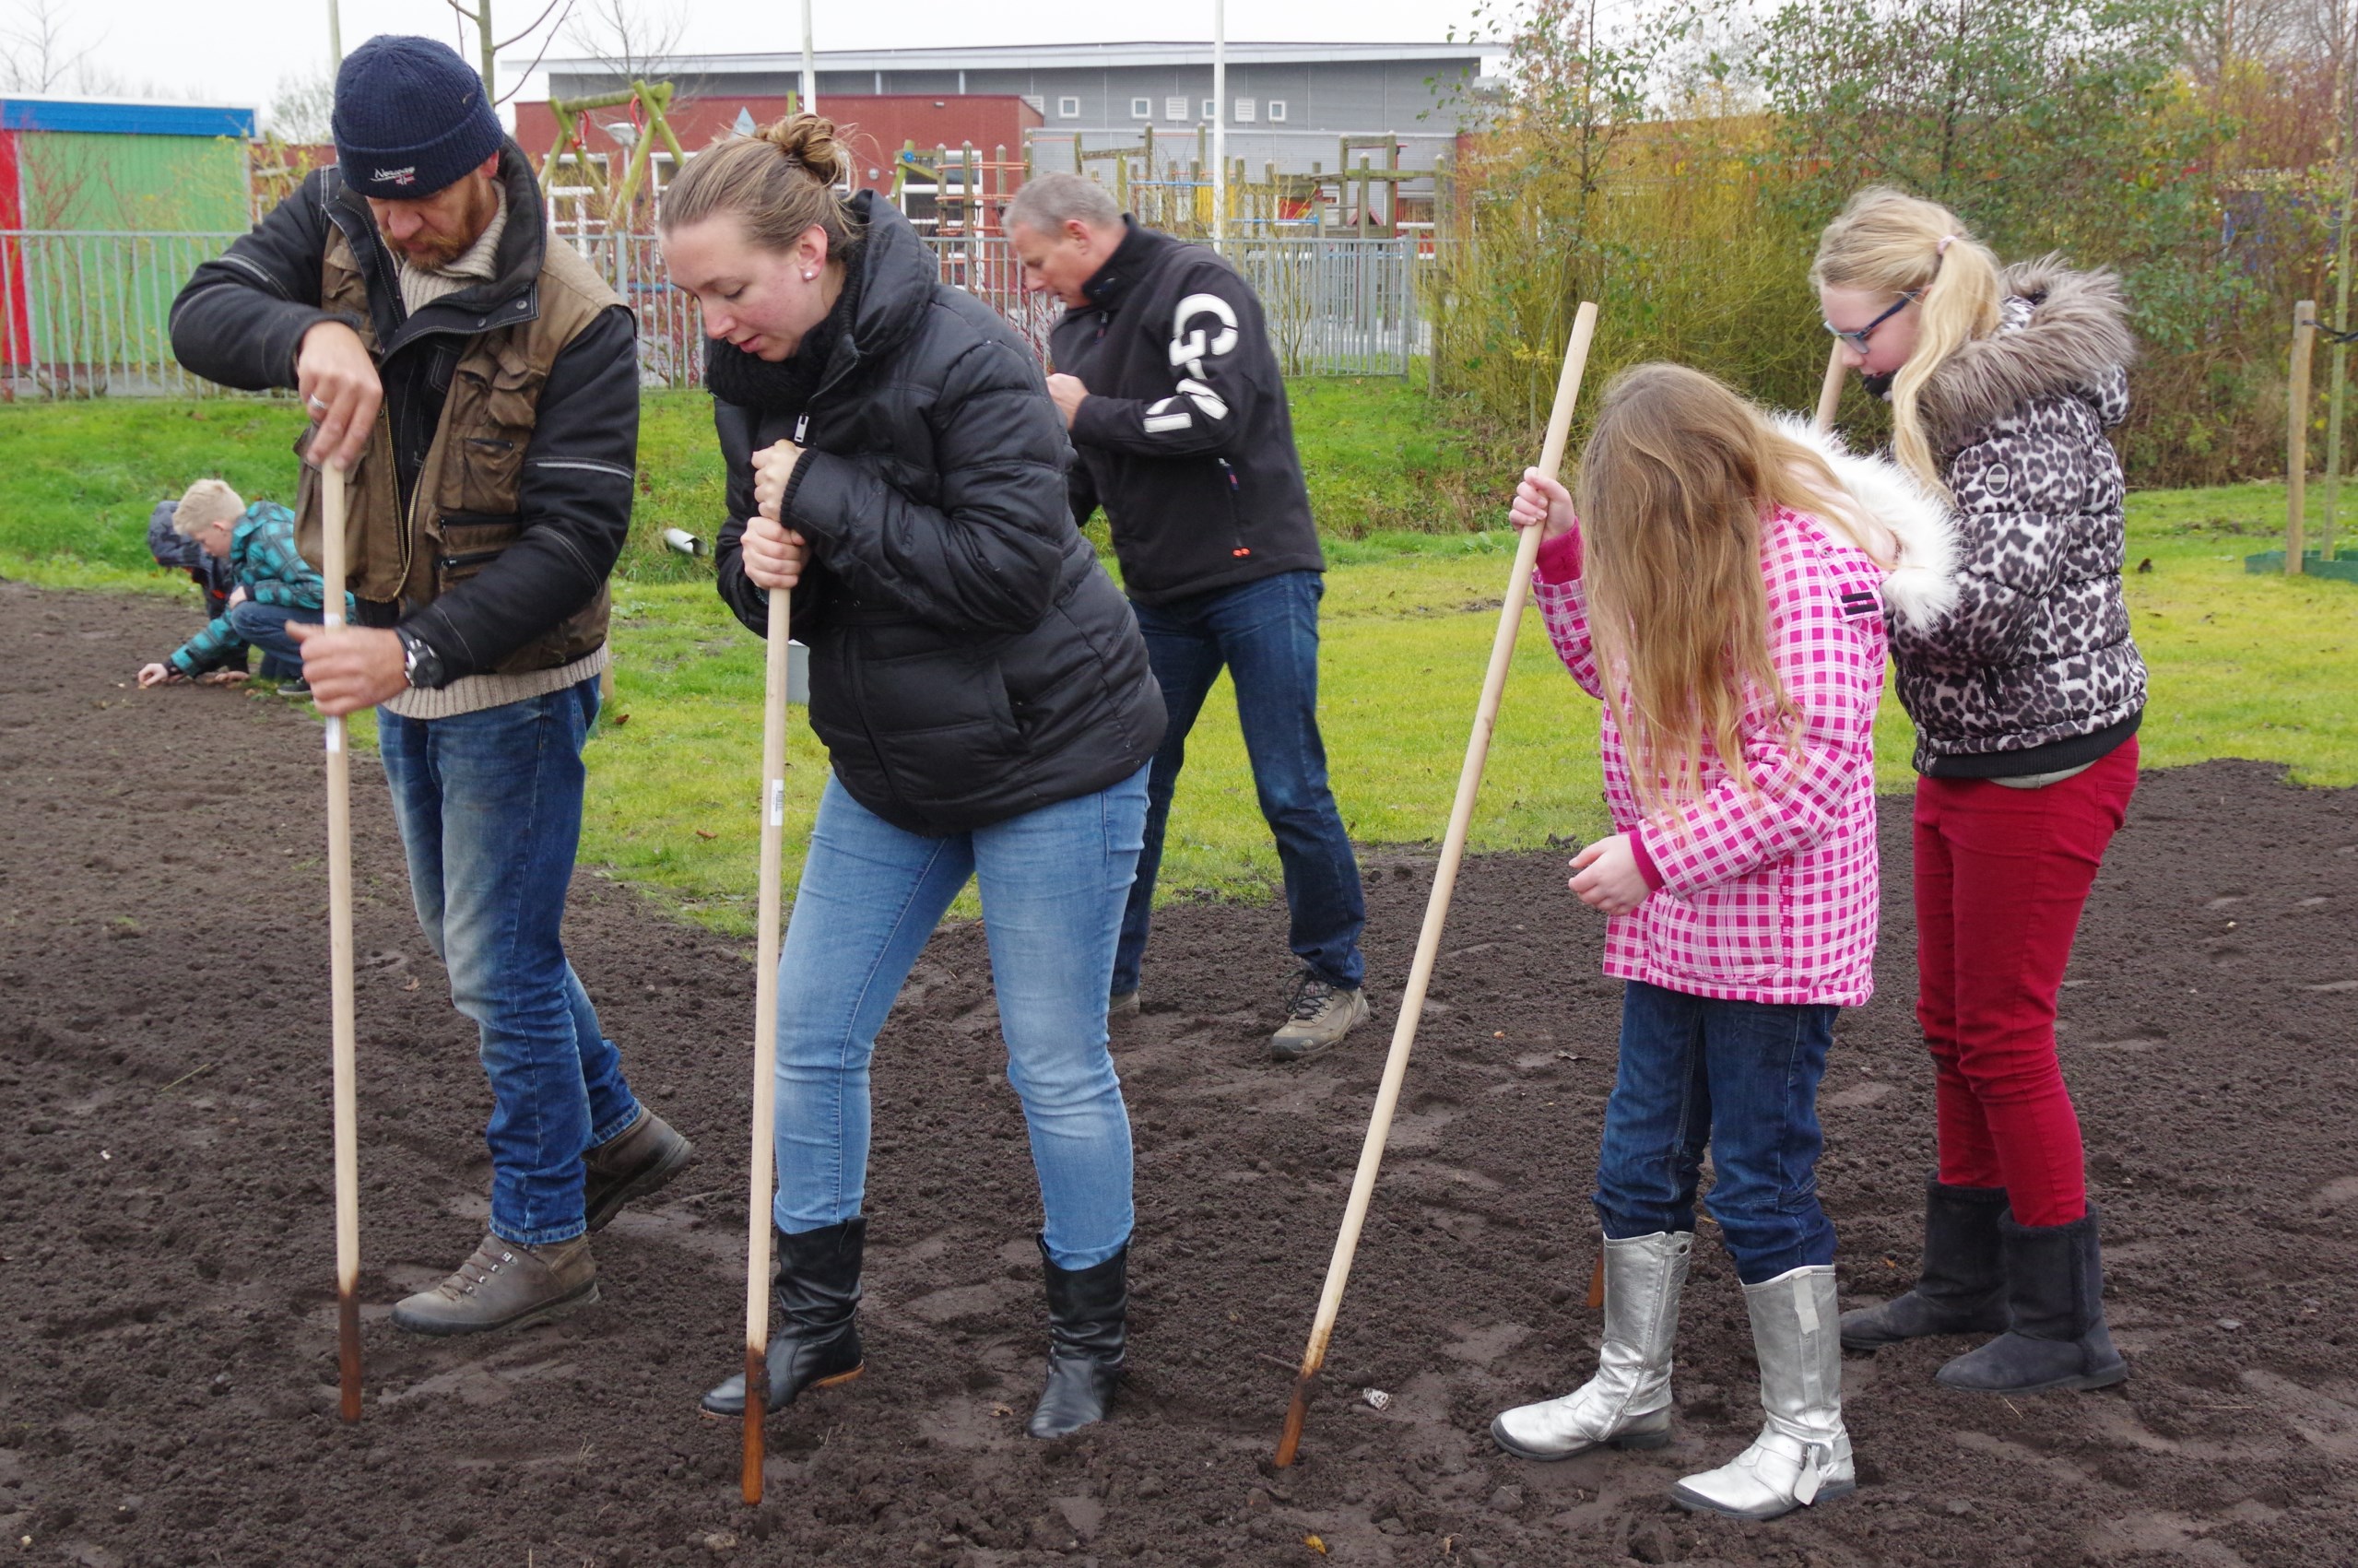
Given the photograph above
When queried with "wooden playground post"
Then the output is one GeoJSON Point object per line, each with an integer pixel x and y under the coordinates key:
{"type": "Point", "coordinates": [2296, 435]}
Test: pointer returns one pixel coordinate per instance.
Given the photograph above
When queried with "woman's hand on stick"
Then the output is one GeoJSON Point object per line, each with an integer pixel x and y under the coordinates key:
{"type": "Point", "coordinates": [774, 555]}
{"type": "Point", "coordinates": [1541, 503]}
{"type": "Point", "coordinates": [773, 469]}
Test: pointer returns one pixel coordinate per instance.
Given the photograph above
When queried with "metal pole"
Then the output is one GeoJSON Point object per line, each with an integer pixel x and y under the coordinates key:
{"type": "Point", "coordinates": [335, 36]}
{"type": "Point", "coordinates": [809, 66]}
{"type": "Point", "coordinates": [1219, 124]}
{"type": "Point", "coordinates": [2348, 130]}
{"type": "Point", "coordinates": [2296, 435]}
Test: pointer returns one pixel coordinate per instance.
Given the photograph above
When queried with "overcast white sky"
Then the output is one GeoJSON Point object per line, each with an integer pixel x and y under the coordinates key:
{"type": "Point", "coordinates": [238, 52]}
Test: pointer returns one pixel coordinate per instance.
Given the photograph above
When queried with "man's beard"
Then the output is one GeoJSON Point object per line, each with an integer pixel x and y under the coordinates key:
{"type": "Point", "coordinates": [438, 254]}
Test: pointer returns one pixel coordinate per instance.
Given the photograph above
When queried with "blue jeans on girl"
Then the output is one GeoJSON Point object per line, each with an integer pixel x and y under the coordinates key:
{"type": "Point", "coordinates": [489, 805]}
{"type": "Point", "coordinates": [1743, 1077]}
{"type": "Point", "coordinates": [1052, 882]}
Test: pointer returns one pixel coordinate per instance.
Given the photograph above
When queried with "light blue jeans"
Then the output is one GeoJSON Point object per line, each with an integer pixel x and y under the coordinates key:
{"type": "Point", "coordinates": [1053, 884]}
{"type": "Point", "coordinates": [489, 805]}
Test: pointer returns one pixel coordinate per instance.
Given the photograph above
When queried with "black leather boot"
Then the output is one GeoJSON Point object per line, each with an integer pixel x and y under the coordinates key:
{"type": "Point", "coordinates": [1088, 1328]}
{"type": "Point", "coordinates": [1962, 1288]}
{"type": "Point", "coordinates": [817, 1298]}
{"type": "Point", "coordinates": [2055, 1294]}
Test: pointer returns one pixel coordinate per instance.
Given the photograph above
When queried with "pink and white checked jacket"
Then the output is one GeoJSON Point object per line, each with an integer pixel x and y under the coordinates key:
{"type": "Point", "coordinates": [1769, 895]}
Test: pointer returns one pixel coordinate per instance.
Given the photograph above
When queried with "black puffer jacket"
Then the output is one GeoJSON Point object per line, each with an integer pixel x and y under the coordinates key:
{"type": "Point", "coordinates": [2035, 671]}
{"type": "Point", "coordinates": [970, 659]}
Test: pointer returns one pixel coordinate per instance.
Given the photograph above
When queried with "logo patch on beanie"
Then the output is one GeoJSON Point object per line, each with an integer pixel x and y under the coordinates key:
{"type": "Point", "coordinates": [395, 176]}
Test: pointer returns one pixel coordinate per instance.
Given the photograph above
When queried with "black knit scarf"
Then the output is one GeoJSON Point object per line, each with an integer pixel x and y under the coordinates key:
{"type": "Point", "coordinates": [784, 387]}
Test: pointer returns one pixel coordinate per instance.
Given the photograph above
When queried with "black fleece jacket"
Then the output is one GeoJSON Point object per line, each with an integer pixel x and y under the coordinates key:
{"type": "Point", "coordinates": [970, 660]}
{"type": "Point", "coordinates": [240, 320]}
{"type": "Point", "coordinates": [1185, 437]}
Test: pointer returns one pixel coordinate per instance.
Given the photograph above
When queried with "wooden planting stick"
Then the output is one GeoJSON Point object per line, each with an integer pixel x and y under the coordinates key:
{"type": "Point", "coordinates": [1830, 393]}
{"type": "Point", "coordinates": [765, 1045]}
{"type": "Point", "coordinates": [2296, 438]}
{"type": "Point", "coordinates": [339, 948]}
{"type": "Point", "coordinates": [1444, 882]}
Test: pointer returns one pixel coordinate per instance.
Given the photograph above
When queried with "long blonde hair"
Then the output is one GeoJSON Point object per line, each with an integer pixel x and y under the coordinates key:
{"type": "Point", "coordinates": [1674, 483]}
{"type": "Point", "coordinates": [779, 183]}
{"type": "Point", "coordinates": [1886, 242]}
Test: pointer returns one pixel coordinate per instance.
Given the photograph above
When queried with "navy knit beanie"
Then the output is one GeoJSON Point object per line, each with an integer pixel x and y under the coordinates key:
{"type": "Point", "coordinates": [411, 117]}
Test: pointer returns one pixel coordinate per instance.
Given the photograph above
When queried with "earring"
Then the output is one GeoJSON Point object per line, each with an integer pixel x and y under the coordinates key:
{"type": "Point", "coordinates": [808, 276]}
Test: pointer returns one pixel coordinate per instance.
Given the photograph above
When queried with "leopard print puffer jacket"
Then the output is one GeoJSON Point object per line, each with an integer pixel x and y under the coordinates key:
{"type": "Point", "coordinates": [2038, 648]}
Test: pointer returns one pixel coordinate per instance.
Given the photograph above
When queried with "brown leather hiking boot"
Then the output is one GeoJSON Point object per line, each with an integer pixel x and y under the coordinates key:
{"type": "Point", "coordinates": [505, 1285]}
{"type": "Point", "coordinates": [636, 1162]}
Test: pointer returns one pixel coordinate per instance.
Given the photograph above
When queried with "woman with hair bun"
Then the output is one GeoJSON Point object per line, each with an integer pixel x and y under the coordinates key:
{"type": "Point", "coordinates": [2026, 700]}
{"type": "Point", "coordinates": [895, 460]}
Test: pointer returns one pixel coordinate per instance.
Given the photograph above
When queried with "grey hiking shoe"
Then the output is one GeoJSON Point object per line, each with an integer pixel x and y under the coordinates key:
{"type": "Point", "coordinates": [636, 1161]}
{"type": "Point", "coordinates": [505, 1285]}
{"type": "Point", "coordinates": [1123, 1004]}
{"type": "Point", "coordinates": [1318, 1015]}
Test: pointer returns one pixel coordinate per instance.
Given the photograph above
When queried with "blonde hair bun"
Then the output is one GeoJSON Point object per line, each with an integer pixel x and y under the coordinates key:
{"type": "Point", "coordinates": [810, 140]}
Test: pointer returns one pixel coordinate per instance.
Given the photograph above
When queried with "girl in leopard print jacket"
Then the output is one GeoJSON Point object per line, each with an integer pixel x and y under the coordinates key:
{"type": "Point", "coordinates": [2026, 700]}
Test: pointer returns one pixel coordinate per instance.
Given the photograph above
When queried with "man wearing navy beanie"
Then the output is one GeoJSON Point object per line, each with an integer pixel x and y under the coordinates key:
{"type": "Point", "coordinates": [479, 387]}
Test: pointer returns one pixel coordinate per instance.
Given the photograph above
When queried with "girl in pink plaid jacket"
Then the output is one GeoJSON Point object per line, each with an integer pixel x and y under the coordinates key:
{"type": "Point", "coordinates": [1725, 588]}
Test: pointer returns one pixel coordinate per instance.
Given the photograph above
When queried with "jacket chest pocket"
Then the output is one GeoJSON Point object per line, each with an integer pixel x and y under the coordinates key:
{"type": "Point", "coordinates": [488, 420]}
{"type": "Point", "coordinates": [464, 543]}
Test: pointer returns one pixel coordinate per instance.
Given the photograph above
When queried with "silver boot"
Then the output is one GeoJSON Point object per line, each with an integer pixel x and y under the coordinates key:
{"type": "Point", "coordinates": [1802, 1453]}
{"type": "Point", "coordinates": [1627, 1404]}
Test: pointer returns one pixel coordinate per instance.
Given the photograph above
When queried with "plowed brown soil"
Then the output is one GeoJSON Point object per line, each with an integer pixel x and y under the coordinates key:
{"type": "Point", "coordinates": [165, 1248]}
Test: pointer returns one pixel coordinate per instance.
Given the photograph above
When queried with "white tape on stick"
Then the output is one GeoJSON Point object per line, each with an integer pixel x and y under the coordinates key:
{"type": "Point", "coordinates": [777, 803]}
{"type": "Point", "coordinates": [335, 736]}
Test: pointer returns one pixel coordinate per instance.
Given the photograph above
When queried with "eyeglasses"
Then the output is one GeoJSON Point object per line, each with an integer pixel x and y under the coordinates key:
{"type": "Point", "coordinates": [1858, 339]}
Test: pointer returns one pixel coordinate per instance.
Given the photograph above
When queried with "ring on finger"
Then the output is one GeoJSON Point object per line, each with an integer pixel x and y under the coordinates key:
{"type": "Point", "coordinates": [317, 405]}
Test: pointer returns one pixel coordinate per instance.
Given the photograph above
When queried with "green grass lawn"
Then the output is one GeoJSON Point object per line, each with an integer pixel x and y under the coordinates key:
{"type": "Point", "coordinates": [2242, 665]}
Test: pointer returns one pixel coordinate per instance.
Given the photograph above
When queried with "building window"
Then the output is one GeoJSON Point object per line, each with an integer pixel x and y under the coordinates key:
{"type": "Point", "coordinates": [1141, 109]}
{"type": "Point", "coordinates": [1174, 108]}
{"type": "Point", "coordinates": [1037, 104]}
{"type": "Point", "coordinates": [1276, 109]}
{"type": "Point", "coordinates": [1244, 107]}
{"type": "Point", "coordinates": [1211, 108]}
{"type": "Point", "coordinates": [1068, 108]}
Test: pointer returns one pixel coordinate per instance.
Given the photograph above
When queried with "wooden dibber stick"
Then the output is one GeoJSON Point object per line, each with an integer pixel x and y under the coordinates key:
{"type": "Point", "coordinates": [1830, 392]}
{"type": "Point", "coordinates": [1445, 881]}
{"type": "Point", "coordinates": [339, 948]}
{"type": "Point", "coordinates": [765, 1045]}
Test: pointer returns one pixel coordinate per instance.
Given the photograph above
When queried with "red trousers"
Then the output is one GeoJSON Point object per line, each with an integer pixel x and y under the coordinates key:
{"type": "Point", "coordinates": [2002, 876]}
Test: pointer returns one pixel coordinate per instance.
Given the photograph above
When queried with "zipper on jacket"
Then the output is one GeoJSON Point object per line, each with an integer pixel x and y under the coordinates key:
{"type": "Point", "coordinates": [472, 557]}
{"type": "Point", "coordinates": [1235, 510]}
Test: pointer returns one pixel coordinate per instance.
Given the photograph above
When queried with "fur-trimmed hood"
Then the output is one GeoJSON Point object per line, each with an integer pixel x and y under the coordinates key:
{"type": "Point", "coordinates": [2073, 338]}
{"type": "Point", "coordinates": [1920, 590]}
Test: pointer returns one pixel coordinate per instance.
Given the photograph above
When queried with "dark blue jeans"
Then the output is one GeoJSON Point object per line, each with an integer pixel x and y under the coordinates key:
{"type": "Point", "coordinates": [1266, 632]}
{"type": "Point", "coordinates": [489, 805]}
{"type": "Point", "coordinates": [265, 627]}
{"type": "Point", "coordinates": [1742, 1077]}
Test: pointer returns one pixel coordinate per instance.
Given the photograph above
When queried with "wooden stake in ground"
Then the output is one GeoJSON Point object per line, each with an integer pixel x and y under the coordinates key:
{"type": "Point", "coordinates": [1444, 882]}
{"type": "Point", "coordinates": [1830, 392]}
{"type": "Point", "coordinates": [2296, 438]}
{"type": "Point", "coordinates": [339, 949]}
{"type": "Point", "coordinates": [765, 1046]}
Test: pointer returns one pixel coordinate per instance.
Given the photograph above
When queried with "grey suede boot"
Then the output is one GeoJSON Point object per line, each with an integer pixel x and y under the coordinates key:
{"type": "Point", "coordinates": [633, 1164]}
{"type": "Point", "coordinates": [1802, 1455]}
{"type": "Point", "coordinates": [1962, 1288]}
{"type": "Point", "coordinates": [1627, 1404]}
{"type": "Point", "coordinates": [2054, 1294]}
{"type": "Point", "coordinates": [505, 1285]}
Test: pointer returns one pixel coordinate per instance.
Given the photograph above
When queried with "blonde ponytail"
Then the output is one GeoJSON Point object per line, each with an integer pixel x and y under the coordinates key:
{"type": "Point", "coordinates": [779, 182]}
{"type": "Point", "coordinates": [1886, 242]}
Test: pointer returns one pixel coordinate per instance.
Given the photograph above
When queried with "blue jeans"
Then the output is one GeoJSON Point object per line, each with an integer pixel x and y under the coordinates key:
{"type": "Point", "coordinates": [265, 627]}
{"type": "Point", "coordinates": [1052, 882]}
{"type": "Point", "coordinates": [1267, 633]}
{"type": "Point", "coordinates": [1742, 1076]}
{"type": "Point", "coordinates": [489, 805]}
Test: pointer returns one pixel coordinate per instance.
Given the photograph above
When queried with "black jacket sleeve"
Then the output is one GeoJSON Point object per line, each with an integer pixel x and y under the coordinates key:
{"type": "Point", "coordinates": [1216, 339]}
{"type": "Point", "coordinates": [988, 558]}
{"type": "Point", "coordinates": [240, 319]}
{"type": "Point", "coordinates": [579, 471]}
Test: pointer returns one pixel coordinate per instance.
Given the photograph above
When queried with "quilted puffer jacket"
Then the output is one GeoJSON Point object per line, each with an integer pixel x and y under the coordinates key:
{"type": "Point", "coordinates": [2034, 670]}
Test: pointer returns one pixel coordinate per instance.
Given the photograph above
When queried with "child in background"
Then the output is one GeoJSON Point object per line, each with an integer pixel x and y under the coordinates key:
{"type": "Point", "coordinates": [272, 584]}
{"type": "Point", "coordinates": [1724, 588]}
